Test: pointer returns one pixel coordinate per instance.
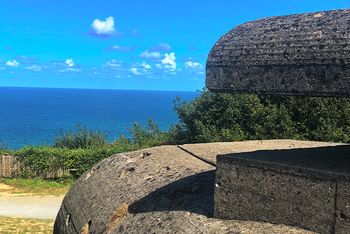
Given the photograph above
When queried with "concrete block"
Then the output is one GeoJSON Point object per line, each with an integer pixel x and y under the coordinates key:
{"type": "Point", "coordinates": [308, 188]}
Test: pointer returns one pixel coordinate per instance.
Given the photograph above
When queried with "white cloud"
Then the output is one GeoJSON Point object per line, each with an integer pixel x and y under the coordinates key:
{"type": "Point", "coordinates": [122, 48]}
{"type": "Point", "coordinates": [169, 61]}
{"type": "Point", "coordinates": [113, 63]}
{"type": "Point", "coordinates": [35, 68]}
{"type": "Point", "coordinates": [12, 63]}
{"type": "Point", "coordinates": [69, 66]}
{"type": "Point", "coordinates": [191, 64]}
{"type": "Point", "coordinates": [70, 69]}
{"type": "Point", "coordinates": [69, 62]}
{"type": "Point", "coordinates": [135, 71]}
{"type": "Point", "coordinates": [103, 27]}
{"type": "Point", "coordinates": [194, 67]}
{"type": "Point", "coordinates": [150, 55]}
{"type": "Point", "coordinates": [141, 69]}
{"type": "Point", "coordinates": [146, 66]}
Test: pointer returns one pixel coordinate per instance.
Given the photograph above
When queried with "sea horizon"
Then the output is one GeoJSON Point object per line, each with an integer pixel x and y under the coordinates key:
{"type": "Point", "coordinates": [82, 88]}
{"type": "Point", "coordinates": [35, 115]}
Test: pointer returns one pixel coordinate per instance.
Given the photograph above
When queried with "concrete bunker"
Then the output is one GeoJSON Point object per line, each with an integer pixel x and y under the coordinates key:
{"type": "Point", "coordinates": [186, 189]}
{"type": "Point", "coordinates": [304, 54]}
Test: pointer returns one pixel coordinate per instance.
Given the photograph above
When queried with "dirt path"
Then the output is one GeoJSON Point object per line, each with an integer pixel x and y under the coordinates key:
{"type": "Point", "coordinates": [28, 205]}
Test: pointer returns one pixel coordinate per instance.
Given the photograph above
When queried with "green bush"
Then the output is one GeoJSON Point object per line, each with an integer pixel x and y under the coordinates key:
{"type": "Point", "coordinates": [78, 151]}
{"type": "Point", "coordinates": [40, 160]}
{"type": "Point", "coordinates": [81, 138]}
{"type": "Point", "coordinates": [149, 136]}
{"type": "Point", "coordinates": [235, 117]}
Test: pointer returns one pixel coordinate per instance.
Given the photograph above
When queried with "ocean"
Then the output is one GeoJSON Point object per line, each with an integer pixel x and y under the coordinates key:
{"type": "Point", "coordinates": [33, 116]}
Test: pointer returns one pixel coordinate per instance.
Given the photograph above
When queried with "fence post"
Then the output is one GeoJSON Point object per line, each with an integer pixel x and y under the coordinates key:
{"type": "Point", "coordinates": [8, 167]}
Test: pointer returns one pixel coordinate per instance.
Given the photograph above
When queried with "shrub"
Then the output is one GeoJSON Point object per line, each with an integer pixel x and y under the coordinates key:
{"type": "Point", "coordinates": [235, 117]}
{"type": "Point", "coordinates": [149, 136]}
{"type": "Point", "coordinates": [81, 149]}
{"type": "Point", "coordinates": [38, 161]}
{"type": "Point", "coordinates": [81, 138]}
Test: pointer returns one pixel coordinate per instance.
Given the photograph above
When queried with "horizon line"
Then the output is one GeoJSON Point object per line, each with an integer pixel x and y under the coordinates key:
{"type": "Point", "coordinates": [121, 89]}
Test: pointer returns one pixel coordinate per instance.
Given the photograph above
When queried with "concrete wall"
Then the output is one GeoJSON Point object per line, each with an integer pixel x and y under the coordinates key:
{"type": "Point", "coordinates": [304, 54]}
{"type": "Point", "coordinates": [256, 186]}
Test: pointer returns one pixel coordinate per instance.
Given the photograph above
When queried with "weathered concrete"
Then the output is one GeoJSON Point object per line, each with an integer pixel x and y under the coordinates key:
{"type": "Point", "coordinates": [157, 190]}
{"type": "Point", "coordinates": [309, 187]}
{"type": "Point", "coordinates": [208, 152]}
{"type": "Point", "coordinates": [304, 54]}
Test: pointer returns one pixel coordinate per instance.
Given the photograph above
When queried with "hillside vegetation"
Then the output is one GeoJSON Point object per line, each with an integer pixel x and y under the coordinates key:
{"type": "Point", "coordinates": [236, 117]}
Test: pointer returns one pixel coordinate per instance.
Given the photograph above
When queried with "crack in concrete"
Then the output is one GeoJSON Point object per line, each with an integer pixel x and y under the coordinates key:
{"type": "Point", "coordinates": [196, 156]}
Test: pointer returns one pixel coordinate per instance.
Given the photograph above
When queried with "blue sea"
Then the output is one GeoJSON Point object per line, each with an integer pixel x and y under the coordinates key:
{"type": "Point", "coordinates": [33, 116]}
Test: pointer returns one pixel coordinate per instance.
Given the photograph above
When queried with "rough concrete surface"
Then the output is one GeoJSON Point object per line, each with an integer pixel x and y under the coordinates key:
{"type": "Point", "coordinates": [209, 151]}
{"type": "Point", "coordinates": [303, 54]}
{"type": "Point", "coordinates": [158, 190]}
{"type": "Point", "coordinates": [307, 187]}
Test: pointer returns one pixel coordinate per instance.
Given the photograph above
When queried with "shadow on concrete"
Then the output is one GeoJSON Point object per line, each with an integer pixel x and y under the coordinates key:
{"type": "Point", "coordinates": [333, 159]}
{"type": "Point", "coordinates": [196, 193]}
{"type": "Point", "coordinates": [193, 194]}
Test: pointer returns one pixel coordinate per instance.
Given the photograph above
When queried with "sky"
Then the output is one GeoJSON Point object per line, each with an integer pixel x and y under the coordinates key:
{"type": "Point", "coordinates": [123, 44]}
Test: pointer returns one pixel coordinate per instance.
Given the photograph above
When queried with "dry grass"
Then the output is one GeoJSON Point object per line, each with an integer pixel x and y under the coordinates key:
{"type": "Point", "coordinates": [35, 186]}
{"type": "Point", "coordinates": [22, 225]}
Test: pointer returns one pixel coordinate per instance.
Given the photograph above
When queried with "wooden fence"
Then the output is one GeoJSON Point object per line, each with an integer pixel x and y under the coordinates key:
{"type": "Point", "coordinates": [10, 167]}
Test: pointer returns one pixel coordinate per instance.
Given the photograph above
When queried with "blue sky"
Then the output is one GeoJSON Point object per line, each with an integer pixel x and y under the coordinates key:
{"type": "Point", "coordinates": [130, 44]}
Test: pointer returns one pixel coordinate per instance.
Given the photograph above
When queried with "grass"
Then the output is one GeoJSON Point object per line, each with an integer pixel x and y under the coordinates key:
{"type": "Point", "coordinates": [23, 225]}
{"type": "Point", "coordinates": [39, 186]}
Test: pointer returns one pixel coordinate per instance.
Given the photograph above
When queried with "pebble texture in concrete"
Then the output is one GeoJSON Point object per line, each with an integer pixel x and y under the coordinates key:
{"type": "Point", "coordinates": [309, 187]}
{"type": "Point", "coordinates": [303, 54]}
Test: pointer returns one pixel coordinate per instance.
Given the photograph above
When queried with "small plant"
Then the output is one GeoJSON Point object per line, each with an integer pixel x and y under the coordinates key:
{"type": "Point", "coordinates": [81, 138]}
{"type": "Point", "coordinates": [149, 136]}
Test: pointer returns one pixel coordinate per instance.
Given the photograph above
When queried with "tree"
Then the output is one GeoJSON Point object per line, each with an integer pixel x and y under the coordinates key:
{"type": "Point", "coordinates": [235, 117]}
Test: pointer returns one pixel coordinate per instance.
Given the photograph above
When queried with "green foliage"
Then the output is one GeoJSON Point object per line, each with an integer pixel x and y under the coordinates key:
{"type": "Point", "coordinates": [81, 138]}
{"type": "Point", "coordinates": [40, 160]}
{"type": "Point", "coordinates": [39, 186]}
{"type": "Point", "coordinates": [149, 136]}
{"type": "Point", "coordinates": [4, 149]}
{"type": "Point", "coordinates": [235, 117]}
{"type": "Point", "coordinates": [78, 151]}
{"type": "Point", "coordinates": [318, 118]}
